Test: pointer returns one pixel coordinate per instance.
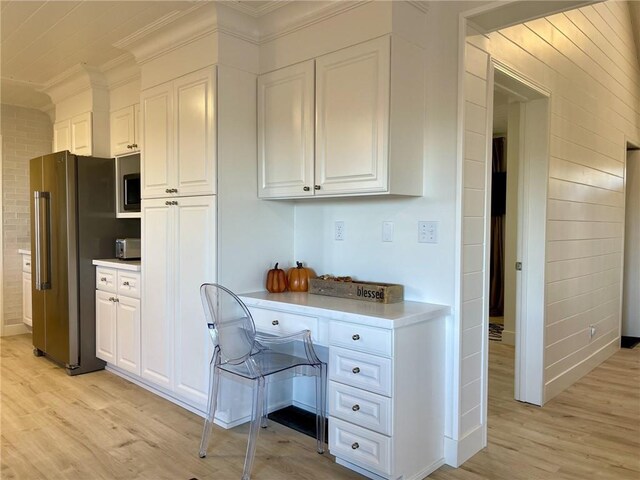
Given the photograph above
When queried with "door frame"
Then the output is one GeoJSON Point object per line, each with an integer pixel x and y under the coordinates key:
{"type": "Point", "coordinates": [533, 179]}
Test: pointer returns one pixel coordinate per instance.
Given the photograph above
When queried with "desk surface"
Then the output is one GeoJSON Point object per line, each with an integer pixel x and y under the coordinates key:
{"type": "Point", "coordinates": [391, 316]}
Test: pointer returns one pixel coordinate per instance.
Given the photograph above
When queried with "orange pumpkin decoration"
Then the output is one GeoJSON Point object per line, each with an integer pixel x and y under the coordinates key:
{"type": "Point", "coordinates": [299, 278]}
{"type": "Point", "coordinates": [276, 280]}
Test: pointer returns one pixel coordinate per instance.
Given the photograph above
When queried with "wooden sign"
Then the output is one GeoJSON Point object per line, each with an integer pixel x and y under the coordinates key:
{"type": "Point", "coordinates": [367, 291]}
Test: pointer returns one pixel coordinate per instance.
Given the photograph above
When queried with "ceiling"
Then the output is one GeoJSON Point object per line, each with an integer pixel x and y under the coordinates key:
{"type": "Point", "coordinates": [40, 40]}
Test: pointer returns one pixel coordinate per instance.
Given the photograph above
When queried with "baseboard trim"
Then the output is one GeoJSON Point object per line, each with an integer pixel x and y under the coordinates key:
{"type": "Point", "coordinates": [568, 378]}
{"type": "Point", "coordinates": [17, 329]}
{"type": "Point", "coordinates": [508, 337]}
{"type": "Point", "coordinates": [456, 452]}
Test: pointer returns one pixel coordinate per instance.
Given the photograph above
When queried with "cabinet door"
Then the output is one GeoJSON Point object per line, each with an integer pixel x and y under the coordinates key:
{"type": "Point", "coordinates": [285, 132]}
{"type": "Point", "coordinates": [195, 145]}
{"type": "Point", "coordinates": [157, 292]}
{"type": "Point", "coordinates": [352, 108]}
{"type": "Point", "coordinates": [81, 134]}
{"type": "Point", "coordinates": [62, 136]}
{"type": "Point", "coordinates": [157, 168]}
{"type": "Point", "coordinates": [128, 334]}
{"type": "Point", "coordinates": [105, 326]}
{"type": "Point", "coordinates": [122, 131]}
{"type": "Point", "coordinates": [26, 299]}
{"type": "Point", "coordinates": [137, 132]}
{"type": "Point", "coordinates": [195, 264]}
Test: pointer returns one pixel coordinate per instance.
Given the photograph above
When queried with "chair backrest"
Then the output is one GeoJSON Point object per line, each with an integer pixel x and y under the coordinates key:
{"type": "Point", "coordinates": [234, 330]}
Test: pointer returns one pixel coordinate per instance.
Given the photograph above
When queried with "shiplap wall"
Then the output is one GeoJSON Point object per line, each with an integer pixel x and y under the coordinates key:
{"type": "Point", "coordinates": [587, 59]}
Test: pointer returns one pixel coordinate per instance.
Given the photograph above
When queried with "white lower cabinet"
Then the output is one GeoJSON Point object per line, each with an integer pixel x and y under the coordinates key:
{"type": "Point", "coordinates": [178, 251]}
{"type": "Point", "coordinates": [385, 391]}
{"type": "Point", "coordinates": [26, 290]}
{"type": "Point", "coordinates": [118, 318]}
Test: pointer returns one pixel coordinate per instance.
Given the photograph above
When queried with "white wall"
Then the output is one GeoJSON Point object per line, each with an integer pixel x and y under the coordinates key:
{"type": "Point", "coordinates": [631, 300]}
{"type": "Point", "coordinates": [586, 58]}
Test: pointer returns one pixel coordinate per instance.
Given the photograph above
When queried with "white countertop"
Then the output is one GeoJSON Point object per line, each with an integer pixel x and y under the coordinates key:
{"type": "Point", "coordinates": [391, 315]}
{"type": "Point", "coordinates": [132, 265]}
{"type": "Point", "coordinates": [23, 251]}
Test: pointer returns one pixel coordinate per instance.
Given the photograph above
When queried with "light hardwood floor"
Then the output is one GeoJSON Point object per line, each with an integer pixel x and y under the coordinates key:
{"type": "Point", "coordinates": [98, 426]}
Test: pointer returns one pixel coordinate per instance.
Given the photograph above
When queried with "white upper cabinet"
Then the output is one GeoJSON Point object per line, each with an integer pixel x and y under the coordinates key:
{"type": "Point", "coordinates": [352, 102]}
{"type": "Point", "coordinates": [62, 136]}
{"type": "Point", "coordinates": [125, 130]}
{"type": "Point", "coordinates": [178, 120]}
{"type": "Point", "coordinates": [369, 123]}
{"type": "Point", "coordinates": [286, 131]}
{"type": "Point", "coordinates": [74, 134]}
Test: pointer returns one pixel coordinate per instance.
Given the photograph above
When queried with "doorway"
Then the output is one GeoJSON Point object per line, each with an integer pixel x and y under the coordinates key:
{"type": "Point", "coordinates": [518, 224]}
{"type": "Point", "coordinates": [630, 326]}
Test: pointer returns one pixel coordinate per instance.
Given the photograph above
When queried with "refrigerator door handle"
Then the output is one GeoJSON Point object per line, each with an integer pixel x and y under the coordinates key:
{"type": "Point", "coordinates": [43, 245]}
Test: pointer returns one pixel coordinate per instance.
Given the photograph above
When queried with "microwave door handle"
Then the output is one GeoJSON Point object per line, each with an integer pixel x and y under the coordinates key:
{"type": "Point", "coordinates": [42, 239]}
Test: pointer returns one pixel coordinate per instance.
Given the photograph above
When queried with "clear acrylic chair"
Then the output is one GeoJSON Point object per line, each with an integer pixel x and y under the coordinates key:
{"type": "Point", "coordinates": [245, 355]}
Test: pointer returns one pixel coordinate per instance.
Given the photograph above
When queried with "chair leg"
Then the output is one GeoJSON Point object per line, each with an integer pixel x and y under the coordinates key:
{"type": "Point", "coordinates": [214, 383]}
{"type": "Point", "coordinates": [321, 382]}
{"type": "Point", "coordinates": [258, 405]}
{"type": "Point", "coordinates": [265, 408]}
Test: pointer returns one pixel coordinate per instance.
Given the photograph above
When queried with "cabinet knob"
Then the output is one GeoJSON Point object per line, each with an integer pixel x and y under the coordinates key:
{"type": "Point", "coordinates": [167, 190]}
{"type": "Point", "coordinates": [116, 299]}
{"type": "Point", "coordinates": [355, 337]}
{"type": "Point", "coordinates": [125, 284]}
{"type": "Point", "coordinates": [129, 146]}
{"type": "Point", "coordinates": [135, 145]}
{"type": "Point", "coordinates": [167, 202]}
{"type": "Point", "coordinates": [103, 279]}
{"type": "Point", "coordinates": [173, 190]}
{"type": "Point", "coordinates": [316, 187]}
{"type": "Point", "coordinates": [355, 445]}
{"type": "Point", "coordinates": [356, 370]}
{"type": "Point", "coordinates": [275, 322]}
{"type": "Point", "coordinates": [355, 408]}
{"type": "Point", "coordinates": [27, 264]}
{"type": "Point", "coordinates": [111, 299]}
{"type": "Point", "coordinates": [306, 189]}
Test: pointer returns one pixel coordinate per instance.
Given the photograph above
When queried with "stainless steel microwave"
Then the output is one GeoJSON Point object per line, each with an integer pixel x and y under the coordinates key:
{"type": "Point", "coordinates": [131, 192]}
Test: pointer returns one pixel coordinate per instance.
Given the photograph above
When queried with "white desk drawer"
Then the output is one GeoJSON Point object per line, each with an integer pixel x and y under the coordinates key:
{"type": "Point", "coordinates": [360, 370]}
{"type": "Point", "coordinates": [281, 323]}
{"type": "Point", "coordinates": [106, 279]}
{"type": "Point", "coordinates": [360, 407]}
{"type": "Point", "coordinates": [360, 446]}
{"type": "Point", "coordinates": [360, 337]}
{"type": "Point", "coordinates": [129, 284]}
{"type": "Point", "coordinates": [26, 263]}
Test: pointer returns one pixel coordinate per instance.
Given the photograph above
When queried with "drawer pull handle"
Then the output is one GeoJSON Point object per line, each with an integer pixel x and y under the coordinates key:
{"type": "Point", "coordinates": [356, 370]}
{"type": "Point", "coordinates": [103, 279]}
{"type": "Point", "coordinates": [28, 264]}
{"type": "Point", "coordinates": [355, 445]}
{"type": "Point", "coordinates": [275, 322]}
{"type": "Point", "coordinates": [356, 337]}
{"type": "Point", "coordinates": [355, 408]}
{"type": "Point", "coordinates": [125, 284]}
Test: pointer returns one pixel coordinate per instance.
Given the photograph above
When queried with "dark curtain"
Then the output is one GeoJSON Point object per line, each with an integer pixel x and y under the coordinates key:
{"type": "Point", "coordinates": [498, 209]}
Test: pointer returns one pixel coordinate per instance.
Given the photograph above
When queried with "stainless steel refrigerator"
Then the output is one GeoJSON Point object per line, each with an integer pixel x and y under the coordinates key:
{"type": "Point", "coordinates": [73, 221]}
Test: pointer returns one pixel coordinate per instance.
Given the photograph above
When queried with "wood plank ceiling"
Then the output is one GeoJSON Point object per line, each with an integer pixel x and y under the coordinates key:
{"type": "Point", "coordinates": [40, 40]}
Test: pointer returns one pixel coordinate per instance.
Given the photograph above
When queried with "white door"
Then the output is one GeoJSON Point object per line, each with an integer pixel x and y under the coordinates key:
{"type": "Point", "coordinates": [81, 134]}
{"type": "Point", "coordinates": [26, 298]}
{"type": "Point", "coordinates": [122, 131]}
{"type": "Point", "coordinates": [157, 168]}
{"type": "Point", "coordinates": [195, 264]}
{"type": "Point", "coordinates": [128, 334]}
{"type": "Point", "coordinates": [352, 115]}
{"type": "Point", "coordinates": [158, 291]}
{"type": "Point", "coordinates": [62, 136]}
{"type": "Point", "coordinates": [106, 326]}
{"type": "Point", "coordinates": [195, 130]}
{"type": "Point", "coordinates": [286, 127]}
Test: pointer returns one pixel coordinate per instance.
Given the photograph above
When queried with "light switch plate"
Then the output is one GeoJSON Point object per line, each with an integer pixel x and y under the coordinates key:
{"type": "Point", "coordinates": [339, 230]}
{"type": "Point", "coordinates": [387, 231]}
{"type": "Point", "coordinates": [428, 232]}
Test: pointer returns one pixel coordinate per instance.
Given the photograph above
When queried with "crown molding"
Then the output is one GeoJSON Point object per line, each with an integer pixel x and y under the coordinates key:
{"type": "Point", "coordinates": [301, 15]}
{"type": "Point", "coordinates": [73, 81]}
{"type": "Point", "coordinates": [120, 71]}
{"type": "Point", "coordinates": [420, 5]}
{"type": "Point", "coordinates": [256, 12]}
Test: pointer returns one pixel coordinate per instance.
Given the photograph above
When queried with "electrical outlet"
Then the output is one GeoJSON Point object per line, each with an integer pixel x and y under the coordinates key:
{"type": "Point", "coordinates": [339, 230]}
{"type": "Point", "coordinates": [387, 231]}
{"type": "Point", "coordinates": [428, 232]}
{"type": "Point", "coordinates": [592, 331]}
